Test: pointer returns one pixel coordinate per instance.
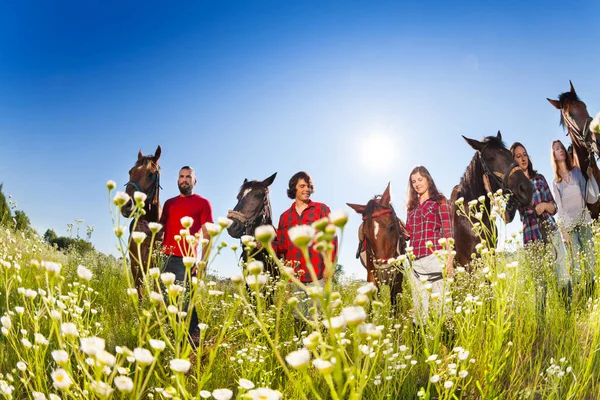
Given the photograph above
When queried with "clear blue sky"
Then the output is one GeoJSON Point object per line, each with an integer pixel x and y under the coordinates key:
{"type": "Point", "coordinates": [244, 89]}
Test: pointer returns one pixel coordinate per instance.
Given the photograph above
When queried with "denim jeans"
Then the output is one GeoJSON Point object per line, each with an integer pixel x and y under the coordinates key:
{"type": "Point", "coordinates": [175, 265]}
{"type": "Point", "coordinates": [581, 251]}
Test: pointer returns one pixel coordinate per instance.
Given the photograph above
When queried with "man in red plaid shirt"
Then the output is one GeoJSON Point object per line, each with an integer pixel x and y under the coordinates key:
{"type": "Point", "coordinates": [303, 211]}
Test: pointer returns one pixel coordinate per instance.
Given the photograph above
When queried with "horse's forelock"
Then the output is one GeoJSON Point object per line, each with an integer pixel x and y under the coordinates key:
{"type": "Point", "coordinates": [252, 185]}
{"type": "Point", "coordinates": [494, 141]}
{"type": "Point", "coordinates": [567, 97]}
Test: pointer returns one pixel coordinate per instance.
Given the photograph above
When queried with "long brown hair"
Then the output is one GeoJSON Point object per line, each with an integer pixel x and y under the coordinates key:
{"type": "Point", "coordinates": [568, 161]}
{"type": "Point", "coordinates": [413, 196]}
{"type": "Point", "coordinates": [532, 172]}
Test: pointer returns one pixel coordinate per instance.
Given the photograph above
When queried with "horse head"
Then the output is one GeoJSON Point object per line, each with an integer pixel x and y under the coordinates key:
{"type": "Point", "coordinates": [144, 177]}
{"type": "Point", "coordinates": [382, 236]}
{"type": "Point", "coordinates": [503, 172]}
{"type": "Point", "coordinates": [380, 228]}
{"type": "Point", "coordinates": [253, 207]}
{"type": "Point", "coordinates": [575, 118]}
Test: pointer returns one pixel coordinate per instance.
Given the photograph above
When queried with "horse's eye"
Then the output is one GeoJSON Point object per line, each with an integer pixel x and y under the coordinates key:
{"type": "Point", "coordinates": [150, 175]}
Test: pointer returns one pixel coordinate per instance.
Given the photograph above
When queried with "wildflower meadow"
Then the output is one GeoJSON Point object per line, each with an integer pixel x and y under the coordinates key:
{"type": "Point", "coordinates": [73, 326]}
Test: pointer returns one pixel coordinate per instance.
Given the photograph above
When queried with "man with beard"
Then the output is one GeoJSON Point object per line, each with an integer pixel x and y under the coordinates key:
{"type": "Point", "coordinates": [175, 245]}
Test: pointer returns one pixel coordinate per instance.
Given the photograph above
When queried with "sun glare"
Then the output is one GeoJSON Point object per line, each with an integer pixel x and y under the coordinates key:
{"type": "Point", "coordinates": [377, 151]}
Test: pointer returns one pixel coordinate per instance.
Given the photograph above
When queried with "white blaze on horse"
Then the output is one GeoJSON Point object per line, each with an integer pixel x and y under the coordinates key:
{"type": "Point", "coordinates": [382, 236]}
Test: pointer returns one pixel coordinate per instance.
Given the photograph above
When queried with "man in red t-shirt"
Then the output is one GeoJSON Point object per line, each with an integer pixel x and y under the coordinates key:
{"type": "Point", "coordinates": [187, 204]}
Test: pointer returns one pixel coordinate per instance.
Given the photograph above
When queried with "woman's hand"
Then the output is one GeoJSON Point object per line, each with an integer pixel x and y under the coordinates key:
{"type": "Point", "coordinates": [540, 208]}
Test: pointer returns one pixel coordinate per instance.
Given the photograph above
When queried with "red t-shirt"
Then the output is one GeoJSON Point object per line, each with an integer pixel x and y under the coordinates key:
{"type": "Point", "coordinates": [194, 206]}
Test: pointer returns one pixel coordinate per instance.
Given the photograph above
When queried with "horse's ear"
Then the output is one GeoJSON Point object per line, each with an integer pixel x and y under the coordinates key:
{"type": "Point", "coordinates": [475, 144]}
{"type": "Point", "coordinates": [357, 207]}
{"type": "Point", "coordinates": [245, 181]}
{"type": "Point", "coordinates": [267, 182]}
{"type": "Point", "coordinates": [386, 197]}
{"type": "Point", "coordinates": [140, 155]}
{"type": "Point", "coordinates": [572, 88]}
{"type": "Point", "coordinates": [555, 103]}
{"type": "Point", "coordinates": [499, 135]}
{"type": "Point", "coordinates": [157, 153]}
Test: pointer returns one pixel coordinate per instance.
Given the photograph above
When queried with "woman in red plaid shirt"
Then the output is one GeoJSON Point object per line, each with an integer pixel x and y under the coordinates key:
{"type": "Point", "coordinates": [429, 224]}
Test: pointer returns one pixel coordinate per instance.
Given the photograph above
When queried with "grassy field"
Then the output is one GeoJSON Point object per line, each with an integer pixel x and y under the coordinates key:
{"type": "Point", "coordinates": [73, 328]}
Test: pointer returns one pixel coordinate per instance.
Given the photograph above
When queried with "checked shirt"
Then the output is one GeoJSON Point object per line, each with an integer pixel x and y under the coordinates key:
{"type": "Point", "coordinates": [286, 249]}
{"type": "Point", "coordinates": [531, 221]}
{"type": "Point", "coordinates": [430, 221]}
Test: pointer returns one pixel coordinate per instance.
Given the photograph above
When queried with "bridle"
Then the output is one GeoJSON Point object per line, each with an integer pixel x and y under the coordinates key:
{"type": "Point", "coordinates": [369, 246]}
{"type": "Point", "coordinates": [154, 189]}
{"type": "Point", "coordinates": [261, 218]}
{"type": "Point", "coordinates": [582, 135]}
{"type": "Point", "coordinates": [501, 179]}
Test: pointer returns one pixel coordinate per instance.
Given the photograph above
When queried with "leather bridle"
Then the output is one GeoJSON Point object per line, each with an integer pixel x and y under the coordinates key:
{"type": "Point", "coordinates": [369, 246]}
{"type": "Point", "coordinates": [154, 189]}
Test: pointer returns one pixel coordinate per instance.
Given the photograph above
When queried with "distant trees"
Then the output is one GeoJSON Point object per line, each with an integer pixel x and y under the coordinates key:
{"type": "Point", "coordinates": [17, 219]}
{"type": "Point", "coordinates": [5, 214]}
{"type": "Point", "coordinates": [64, 242]}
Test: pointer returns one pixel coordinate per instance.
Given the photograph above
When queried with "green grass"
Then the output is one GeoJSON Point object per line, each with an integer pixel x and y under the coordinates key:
{"type": "Point", "coordinates": [514, 339]}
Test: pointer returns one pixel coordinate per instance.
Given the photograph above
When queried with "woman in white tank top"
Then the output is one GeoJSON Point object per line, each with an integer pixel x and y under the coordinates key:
{"type": "Point", "coordinates": [573, 217]}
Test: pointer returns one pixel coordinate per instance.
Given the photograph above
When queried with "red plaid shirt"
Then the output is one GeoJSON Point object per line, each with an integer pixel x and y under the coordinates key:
{"type": "Point", "coordinates": [429, 221]}
{"type": "Point", "coordinates": [286, 249]}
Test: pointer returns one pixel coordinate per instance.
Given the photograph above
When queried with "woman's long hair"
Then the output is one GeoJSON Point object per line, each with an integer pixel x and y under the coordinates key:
{"type": "Point", "coordinates": [568, 161]}
{"type": "Point", "coordinates": [530, 171]}
{"type": "Point", "coordinates": [413, 196]}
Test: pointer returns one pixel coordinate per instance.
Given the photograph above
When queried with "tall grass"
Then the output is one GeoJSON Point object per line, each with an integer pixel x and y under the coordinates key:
{"type": "Point", "coordinates": [506, 331]}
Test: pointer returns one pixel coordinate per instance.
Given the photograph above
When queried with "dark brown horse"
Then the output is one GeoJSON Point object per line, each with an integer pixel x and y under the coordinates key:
{"type": "Point", "coordinates": [382, 236]}
{"type": "Point", "coordinates": [252, 210]}
{"type": "Point", "coordinates": [496, 161]}
{"type": "Point", "coordinates": [574, 117]}
{"type": "Point", "coordinates": [144, 177]}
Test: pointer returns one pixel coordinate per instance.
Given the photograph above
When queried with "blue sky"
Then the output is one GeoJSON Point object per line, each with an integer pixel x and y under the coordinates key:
{"type": "Point", "coordinates": [355, 93]}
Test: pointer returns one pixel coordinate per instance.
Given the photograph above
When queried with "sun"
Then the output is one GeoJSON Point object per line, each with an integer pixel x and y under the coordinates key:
{"type": "Point", "coordinates": [377, 151]}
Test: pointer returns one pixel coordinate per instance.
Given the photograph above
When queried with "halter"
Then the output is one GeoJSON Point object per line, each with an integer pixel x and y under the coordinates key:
{"type": "Point", "coordinates": [265, 216]}
{"type": "Point", "coordinates": [582, 135]}
{"type": "Point", "coordinates": [501, 179]}
{"type": "Point", "coordinates": [369, 246]}
{"type": "Point", "coordinates": [154, 188]}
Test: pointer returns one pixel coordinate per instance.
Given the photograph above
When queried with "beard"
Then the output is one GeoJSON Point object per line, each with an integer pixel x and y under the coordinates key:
{"type": "Point", "coordinates": [185, 190]}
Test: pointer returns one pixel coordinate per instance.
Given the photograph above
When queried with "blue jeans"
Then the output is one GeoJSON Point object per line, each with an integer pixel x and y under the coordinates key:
{"type": "Point", "coordinates": [581, 251]}
{"type": "Point", "coordinates": [175, 265]}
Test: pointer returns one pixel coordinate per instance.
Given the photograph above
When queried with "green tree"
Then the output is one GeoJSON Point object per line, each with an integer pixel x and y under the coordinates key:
{"type": "Point", "coordinates": [50, 236]}
{"type": "Point", "coordinates": [5, 214]}
{"type": "Point", "coordinates": [22, 222]}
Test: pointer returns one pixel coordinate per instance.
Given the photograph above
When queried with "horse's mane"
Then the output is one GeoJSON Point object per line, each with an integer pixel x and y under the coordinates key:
{"type": "Point", "coordinates": [249, 185]}
{"type": "Point", "coordinates": [563, 98]}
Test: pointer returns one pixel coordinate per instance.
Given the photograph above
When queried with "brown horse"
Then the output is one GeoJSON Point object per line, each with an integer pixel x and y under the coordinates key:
{"type": "Point", "coordinates": [574, 117]}
{"type": "Point", "coordinates": [382, 236]}
{"type": "Point", "coordinates": [496, 161]}
{"type": "Point", "coordinates": [144, 177]}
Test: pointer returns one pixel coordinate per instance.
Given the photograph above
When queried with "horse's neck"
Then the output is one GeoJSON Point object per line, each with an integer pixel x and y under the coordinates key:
{"type": "Point", "coordinates": [152, 213]}
{"type": "Point", "coordinates": [472, 181]}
